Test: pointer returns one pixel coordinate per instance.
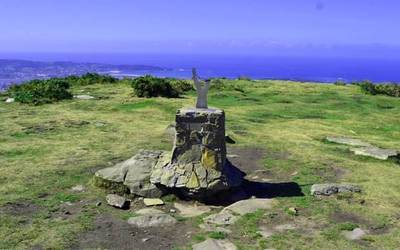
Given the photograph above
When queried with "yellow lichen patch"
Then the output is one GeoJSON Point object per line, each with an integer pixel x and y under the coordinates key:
{"type": "Point", "coordinates": [193, 181]}
{"type": "Point", "coordinates": [209, 159]}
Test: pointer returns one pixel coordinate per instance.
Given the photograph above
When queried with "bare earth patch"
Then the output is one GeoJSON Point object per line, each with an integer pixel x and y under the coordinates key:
{"type": "Point", "coordinates": [22, 208]}
{"type": "Point", "coordinates": [112, 233]}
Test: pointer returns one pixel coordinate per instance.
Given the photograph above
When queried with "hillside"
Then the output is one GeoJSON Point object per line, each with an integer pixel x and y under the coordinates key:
{"type": "Point", "coordinates": [279, 128]}
{"type": "Point", "coordinates": [16, 71]}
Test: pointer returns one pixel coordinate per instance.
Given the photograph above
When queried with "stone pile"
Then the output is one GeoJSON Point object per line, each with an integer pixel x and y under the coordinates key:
{"type": "Point", "coordinates": [196, 168]}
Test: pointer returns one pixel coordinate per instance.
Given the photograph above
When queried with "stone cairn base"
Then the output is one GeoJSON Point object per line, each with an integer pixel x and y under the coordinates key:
{"type": "Point", "coordinates": [196, 168]}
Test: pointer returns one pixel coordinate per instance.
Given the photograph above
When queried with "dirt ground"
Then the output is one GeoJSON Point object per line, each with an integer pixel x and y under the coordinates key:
{"type": "Point", "coordinates": [112, 233]}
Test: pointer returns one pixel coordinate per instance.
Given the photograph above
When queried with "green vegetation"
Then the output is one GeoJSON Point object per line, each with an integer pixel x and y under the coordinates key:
{"type": "Point", "coordinates": [380, 89]}
{"type": "Point", "coordinates": [340, 83]}
{"type": "Point", "coordinates": [46, 150]}
{"type": "Point", "coordinates": [91, 78]}
{"type": "Point", "coordinates": [217, 235]}
{"type": "Point", "coordinates": [149, 86]}
{"type": "Point", "coordinates": [41, 91]}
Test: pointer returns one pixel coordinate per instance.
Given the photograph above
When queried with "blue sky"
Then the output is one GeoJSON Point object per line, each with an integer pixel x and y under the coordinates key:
{"type": "Point", "coordinates": [270, 27]}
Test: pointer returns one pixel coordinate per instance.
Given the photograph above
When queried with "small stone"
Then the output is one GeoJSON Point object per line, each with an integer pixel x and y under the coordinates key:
{"type": "Point", "coordinates": [145, 239]}
{"type": "Point", "coordinates": [333, 188]}
{"type": "Point", "coordinates": [356, 234]}
{"type": "Point", "coordinates": [152, 202]}
{"type": "Point", "coordinates": [117, 201]}
{"type": "Point", "coordinates": [84, 97]}
{"type": "Point", "coordinates": [98, 204]}
{"type": "Point", "coordinates": [152, 220]}
{"type": "Point", "coordinates": [293, 211]}
{"type": "Point", "coordinates": [172, 211]}
{"type": "Point", "coordinates": [212, 244]}
{"type": "Point", "coordinates": [10, 100]}
{"type": "Point", "coordinates": [78, 188]}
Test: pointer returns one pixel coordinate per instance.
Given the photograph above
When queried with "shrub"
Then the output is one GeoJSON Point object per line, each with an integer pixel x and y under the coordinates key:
{"type": "Point", "coordinates": [367, 87]}
{"type": "Point", "coordinates": [91, 78]}
{"type": "Point", "coordinates": [149, 86]}
{"type": "Point", "coordinates": [340, 83]}
{"type": "Point", "coordinates": [380, 89]}
{"type": "Point", "coordinates": [41, 91]}
{"type": "Point", "coordinates": [181, 85]}
{"type": "Point", "coordinates": [244, 78]}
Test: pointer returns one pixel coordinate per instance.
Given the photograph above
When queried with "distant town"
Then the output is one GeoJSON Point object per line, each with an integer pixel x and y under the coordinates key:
{"type": "Point", "coordinates": [17, 71]}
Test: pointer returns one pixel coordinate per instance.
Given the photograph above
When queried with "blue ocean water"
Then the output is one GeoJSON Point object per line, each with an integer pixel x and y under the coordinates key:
{"type": "Point", "coordinates": [318, 69]}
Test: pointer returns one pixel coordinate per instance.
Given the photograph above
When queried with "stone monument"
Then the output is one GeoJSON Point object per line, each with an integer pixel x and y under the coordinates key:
{"type": "Point", "coordinates": [197, 166]}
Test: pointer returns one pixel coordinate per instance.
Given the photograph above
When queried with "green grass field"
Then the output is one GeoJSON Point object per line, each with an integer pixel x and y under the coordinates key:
{"type": "Point", "coordinates": [46, 150]}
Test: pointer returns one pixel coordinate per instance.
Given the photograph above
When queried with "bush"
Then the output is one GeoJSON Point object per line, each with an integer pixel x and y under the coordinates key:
{"type": "Point", "coordinates": [379, 89]}
{"type": "Point", "coordinates": [91, 78]}
{"type": "Point", "coordinates": [41, 91]}
{"type": "Point", "coordinates": [181, 85]}
{"type": "Point", "coordinates": [244, 78]}
{"type": "Point", "coordinates": [149, 86]}
{"type": "Point", "coordinates": [340, 83]}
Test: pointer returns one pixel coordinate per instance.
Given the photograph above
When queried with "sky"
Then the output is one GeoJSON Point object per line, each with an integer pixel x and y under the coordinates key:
{"type": "Point", "coordinates": [260, 27]}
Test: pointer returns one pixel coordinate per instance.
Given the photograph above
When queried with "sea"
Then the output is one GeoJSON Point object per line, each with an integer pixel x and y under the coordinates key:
{"type": "Point", "coordinates": [299, 68]}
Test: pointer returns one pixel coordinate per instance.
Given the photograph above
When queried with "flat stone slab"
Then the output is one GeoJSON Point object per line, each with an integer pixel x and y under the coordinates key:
{"type": "Point", "coordinates": [356, 234]}
{"type": "Point", "coordinates": [347, 141]}
{"type": "Point", "coordinates": [250, 206]}
{"type": "Point", "coordinates": [152, 220]}
{"type": "Point", "coordinates": [333, 188]}
{"type": "Point", "coordinates": [375, 152]}
{"type": "Point", "coordinates": [153, 202]}
{"type": "Point", "coordinates": [212, 244]}
{"type": "Point", "coordinates": [147, 211]}
{"type": "Point", "coordinates": [117, 201]}
{"type": "Point", "coordinates": [189, 210]}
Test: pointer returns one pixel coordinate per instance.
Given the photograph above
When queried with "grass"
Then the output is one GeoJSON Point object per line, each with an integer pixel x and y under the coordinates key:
{"type": "Point", "coordinates": [46, 150]}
